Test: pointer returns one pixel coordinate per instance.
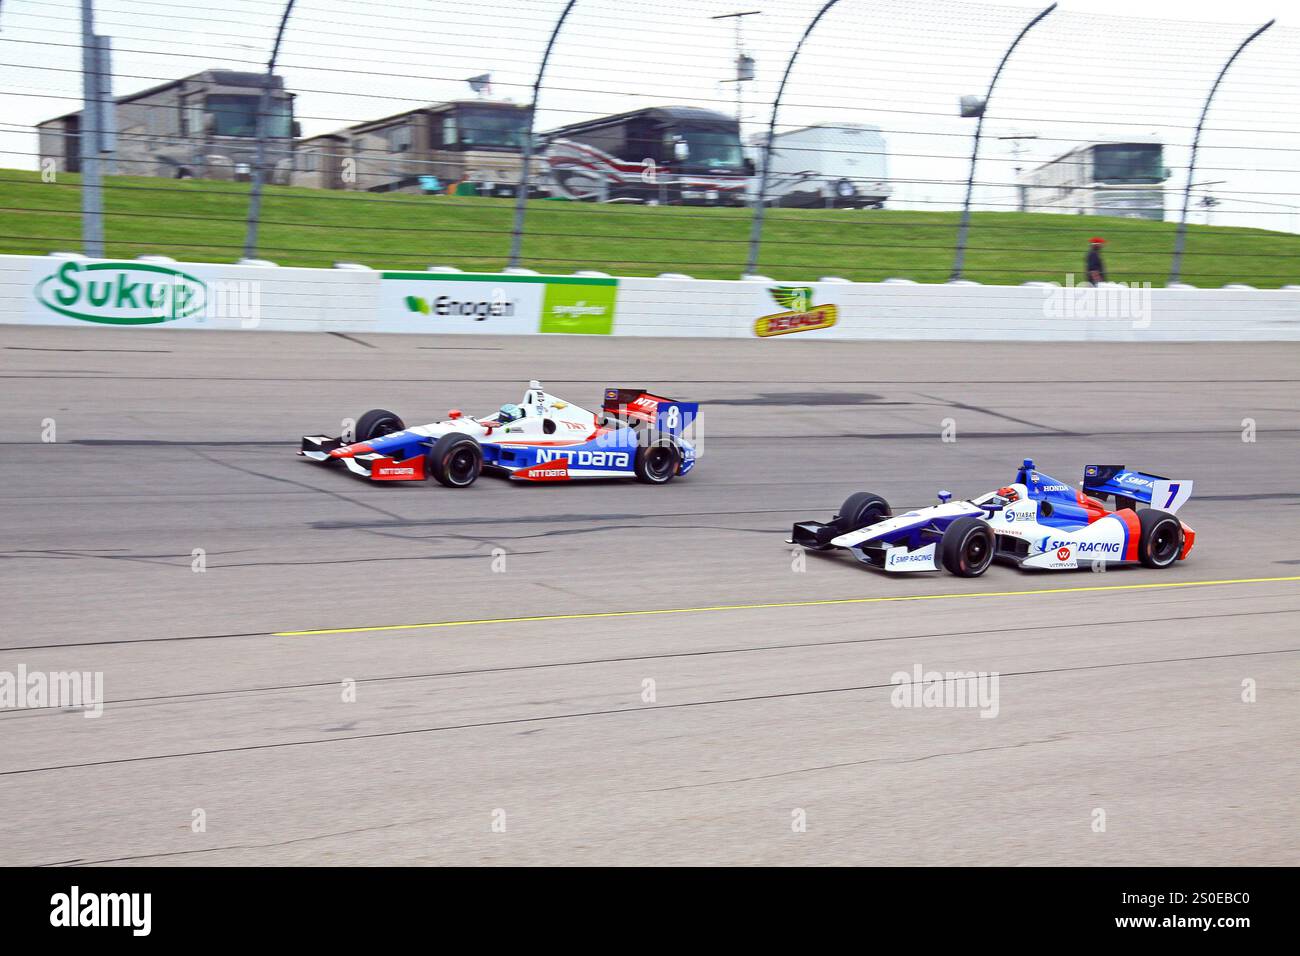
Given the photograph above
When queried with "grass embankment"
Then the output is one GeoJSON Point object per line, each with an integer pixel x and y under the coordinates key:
{"type": "Point", "coordinates": [201, 220]}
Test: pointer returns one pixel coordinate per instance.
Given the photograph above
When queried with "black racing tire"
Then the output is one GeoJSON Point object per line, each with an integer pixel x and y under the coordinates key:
{"type": "Point", "coordinates": [657, 461]}
{"type": "Point", "coordinates": [376, 423]}
{"type": "Point", "coordinates": [456, 460]}
{"type": "Point", "coordinates": [966, 547]}
{"type": "Point", "coordinates": [1160, 540]}
{"type": "Point", "coordinates": [860, 510]}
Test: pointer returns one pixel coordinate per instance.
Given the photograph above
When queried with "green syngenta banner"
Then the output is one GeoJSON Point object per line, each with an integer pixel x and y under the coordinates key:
{"type": "Point", "coordinates": [579, 309]}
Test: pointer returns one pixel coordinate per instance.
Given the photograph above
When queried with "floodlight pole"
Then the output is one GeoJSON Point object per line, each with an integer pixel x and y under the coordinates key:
{"type": "Point", "coordinates": [521, 197]}
{"type": "Point", "coordinates": [740, 80]}
{"type": "Point", "coordinates": [1176, 266]}
{"type": "Point", "coordinates": [760, 203]}
{"type": "Point", "coordinates": [960, 258]}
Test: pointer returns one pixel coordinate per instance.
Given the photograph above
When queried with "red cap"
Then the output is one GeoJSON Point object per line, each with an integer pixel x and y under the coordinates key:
{"type": "Point", "coordinates": [455, 413]}
{"type": "Point", "coordinates": [1098, 240]}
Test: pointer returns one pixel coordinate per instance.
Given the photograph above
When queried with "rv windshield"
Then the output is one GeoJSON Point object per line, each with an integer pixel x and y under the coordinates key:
{"type": "Point", "coordinates": [236, 115]}
{"type": "Point", "coordinates": [500, 128]}
{"type": "Point", "coordinates": [713, 149]}
{"type": "Point", "coordinates": [1128, 163]}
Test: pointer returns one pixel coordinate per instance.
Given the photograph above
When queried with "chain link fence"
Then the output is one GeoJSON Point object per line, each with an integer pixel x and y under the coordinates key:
{"type": "Point", "coordinates": [404, 136]}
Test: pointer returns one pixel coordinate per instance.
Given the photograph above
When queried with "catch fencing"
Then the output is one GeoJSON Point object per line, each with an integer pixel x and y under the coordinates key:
{"type": "Point", "coordinates": [662, 131]}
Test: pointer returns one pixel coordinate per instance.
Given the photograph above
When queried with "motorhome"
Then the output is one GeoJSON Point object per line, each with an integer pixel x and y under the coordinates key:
{"type": "Point", "coordinates": [840, 165]}
{"type": "Point", "coordinates": [1101, 179]}
{"type": "Point", "coordinates": [473, 145]}
{"type": "Point", "coordinates": [200, 127]}
{"type": "Point", "coordinates": [667, 155]}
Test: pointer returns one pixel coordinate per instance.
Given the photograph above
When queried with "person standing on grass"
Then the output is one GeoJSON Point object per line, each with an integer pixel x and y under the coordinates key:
{"type": "Point", "coordinates": [1093, 267]}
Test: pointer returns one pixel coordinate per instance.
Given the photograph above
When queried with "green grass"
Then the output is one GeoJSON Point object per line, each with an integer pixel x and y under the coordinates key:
{"type": "Point", "coordinates": [204, 221]}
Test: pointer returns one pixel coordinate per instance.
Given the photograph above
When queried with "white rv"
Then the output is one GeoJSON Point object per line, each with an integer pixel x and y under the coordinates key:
{"type": "Point", "coordinates": [827, 165]}
{"type": "Point", "coordinates": [1114, 178]}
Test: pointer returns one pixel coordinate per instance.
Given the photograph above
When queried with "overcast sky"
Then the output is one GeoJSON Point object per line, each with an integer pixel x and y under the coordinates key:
{"type": "Point", "coordinates": [1098, 70]}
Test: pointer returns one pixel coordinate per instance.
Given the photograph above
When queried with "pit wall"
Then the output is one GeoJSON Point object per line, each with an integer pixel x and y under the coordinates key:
{"type": "Point", "coordinates": [155, 292]}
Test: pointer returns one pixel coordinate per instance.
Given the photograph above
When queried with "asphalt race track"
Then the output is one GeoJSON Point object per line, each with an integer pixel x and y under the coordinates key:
{"type": "Point", "coordinates": [554, 713]}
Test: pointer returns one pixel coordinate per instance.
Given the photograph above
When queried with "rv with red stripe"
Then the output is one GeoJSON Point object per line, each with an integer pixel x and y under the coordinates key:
{"type": "Point", "coordinates": [675, 155]}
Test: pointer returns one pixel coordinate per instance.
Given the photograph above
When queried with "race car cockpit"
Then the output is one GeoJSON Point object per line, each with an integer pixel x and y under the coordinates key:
{"type": "Point", "coordinates": [997, 500]}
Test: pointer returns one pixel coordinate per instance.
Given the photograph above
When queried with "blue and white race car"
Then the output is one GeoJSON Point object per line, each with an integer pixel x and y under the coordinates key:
{"type": "Point", "coordinates": [1035, 522]}
{"type": "Point", "coordinates": [635, 435]}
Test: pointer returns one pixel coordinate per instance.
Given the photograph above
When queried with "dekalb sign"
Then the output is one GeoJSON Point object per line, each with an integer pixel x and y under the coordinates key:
{"type": "Point", "coordinates": [121, 293]}
{"type": "Point", "coordinates": [802, 314]}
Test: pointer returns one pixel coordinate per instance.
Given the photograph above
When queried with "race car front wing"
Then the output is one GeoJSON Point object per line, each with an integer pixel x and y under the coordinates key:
{"type": "Point", "coordinates": [372, 465]}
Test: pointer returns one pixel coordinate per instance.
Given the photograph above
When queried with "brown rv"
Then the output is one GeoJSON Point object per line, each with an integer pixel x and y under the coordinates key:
{"type": "Point", "coordinates": [476, 145]}
{"type": "Point", "coordinates": [202, 126]}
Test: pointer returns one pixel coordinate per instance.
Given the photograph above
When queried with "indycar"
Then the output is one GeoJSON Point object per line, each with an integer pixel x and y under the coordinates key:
{"type": "Point", "coordinates": [636, 434]}
{"type": "Point", "coordinates": [1035, 522]}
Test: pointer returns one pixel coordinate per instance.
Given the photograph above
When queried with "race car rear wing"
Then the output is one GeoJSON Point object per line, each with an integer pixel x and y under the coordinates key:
{"type": "Point", "coordinates": [637, 406]}
{"type": "Point", "coordinates": [1167, 494]}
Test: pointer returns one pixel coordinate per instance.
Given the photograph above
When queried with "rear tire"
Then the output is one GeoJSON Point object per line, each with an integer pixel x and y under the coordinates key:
{"type": "Point", "coordinates": [376, 423]}
{"type": "Point", "coordinates": [966, 547]}
{"type": "Point", "coordinates": [657, 461]}
{"type": "Point", "coordinates": [1161, 539]}
{"type": "Point", "coordinates": [860, 510]}
{"type": "Point", "coordinates": [456, 460]}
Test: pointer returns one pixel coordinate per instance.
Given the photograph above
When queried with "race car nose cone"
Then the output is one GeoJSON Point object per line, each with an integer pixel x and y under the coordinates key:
{"type": "Point", "coordinates": [350, 451]}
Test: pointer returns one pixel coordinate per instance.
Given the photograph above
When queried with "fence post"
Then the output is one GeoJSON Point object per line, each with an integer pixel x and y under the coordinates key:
{"type": "Point", "coordinates": [959, 260]}
{"type": "Point", "coordinates": [1176, 266]}
{"type": "Point", "coordinates": [259, 153]}
{"type": "Point", "coordinates": [521, 200]}
{"type": "Point", "coordinates": [760, 201]}
{"type": "Point", "coordinates": [90, 133]}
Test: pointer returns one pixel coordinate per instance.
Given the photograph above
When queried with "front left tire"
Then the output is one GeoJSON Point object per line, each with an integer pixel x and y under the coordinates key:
{"type": "Point", "coordinates": [376, 423]}
{"type": "Point", "coordinates": [861, 510]}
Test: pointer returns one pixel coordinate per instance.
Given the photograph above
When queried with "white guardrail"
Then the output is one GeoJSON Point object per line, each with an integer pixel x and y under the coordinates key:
{"type": "Point", "coordinates": [154, 291]}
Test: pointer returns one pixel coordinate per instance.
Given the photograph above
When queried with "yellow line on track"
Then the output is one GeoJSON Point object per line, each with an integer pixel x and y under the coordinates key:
{"type": "Point", "coordinates": [592, 615]}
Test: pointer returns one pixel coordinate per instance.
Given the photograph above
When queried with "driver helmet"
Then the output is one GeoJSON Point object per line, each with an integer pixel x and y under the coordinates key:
{"type": "Point", "coordinates": [509, 413]}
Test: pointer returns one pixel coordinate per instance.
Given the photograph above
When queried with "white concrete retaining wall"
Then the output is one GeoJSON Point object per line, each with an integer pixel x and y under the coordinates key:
{"type": "Point", "coordinates": [158, 293]}
{"type": "Point", "coordinates": [962, 312]}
